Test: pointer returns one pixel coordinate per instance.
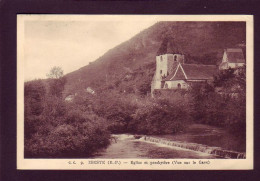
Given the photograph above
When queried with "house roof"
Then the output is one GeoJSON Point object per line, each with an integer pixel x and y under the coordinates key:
{"type": "Point", "coordinates": [180, 75]}
{"type": "Point", "coordinates": [169, 76]}
{"type": "Point", "coordinates": [223, 65]}
{"type": "Point", "coordinates": [235, 55]}
{"type": "Point", "coordinates": [193, 72]}
{"type": "Point", "coordinates": [175, 65]}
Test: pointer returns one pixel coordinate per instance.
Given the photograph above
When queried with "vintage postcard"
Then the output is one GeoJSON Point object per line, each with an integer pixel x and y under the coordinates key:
{"type": "Point", "coordinates": [135, 92]}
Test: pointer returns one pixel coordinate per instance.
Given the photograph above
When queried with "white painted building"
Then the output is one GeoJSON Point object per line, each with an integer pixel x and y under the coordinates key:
{"type": "Point", "coordinates": [232, 58]}
{"type": "Point", "coordinates": [165, 65]}
{"type": "Point", "coordinates": [172, 73]}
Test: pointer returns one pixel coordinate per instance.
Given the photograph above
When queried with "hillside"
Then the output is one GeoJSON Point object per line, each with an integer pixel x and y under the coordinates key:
{"type": "Point", "coordinates": [129, 67]}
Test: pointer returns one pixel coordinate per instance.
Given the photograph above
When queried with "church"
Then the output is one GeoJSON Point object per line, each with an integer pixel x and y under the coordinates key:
{"type": "Point", "coordinates": [173, 73]}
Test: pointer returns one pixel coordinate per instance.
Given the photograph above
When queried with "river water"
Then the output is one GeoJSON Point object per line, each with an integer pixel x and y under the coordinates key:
{"type": "Point", "coordinates": [126, 146]}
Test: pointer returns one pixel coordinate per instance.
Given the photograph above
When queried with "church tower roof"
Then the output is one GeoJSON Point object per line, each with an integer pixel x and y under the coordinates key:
{"type": "Point", "coordinates": [172, 47]}
{"type": "Point", "coordinates": [169, 46]}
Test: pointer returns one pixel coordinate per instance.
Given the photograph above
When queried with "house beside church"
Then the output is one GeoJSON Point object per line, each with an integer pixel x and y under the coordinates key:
{"type": "Point", "coordinates": [173, 73]}
{"type": "Point", "coordinates": [232, 58]}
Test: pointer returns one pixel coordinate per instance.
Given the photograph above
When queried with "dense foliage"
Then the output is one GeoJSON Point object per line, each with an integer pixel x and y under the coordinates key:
{"type": "Point", "coordinates": [138, 114]}
{"type": "Point", "coordinates": [160, 116]}
{"type": "Point", "coordinates": [55, 129]}
{"type": "Point", "coordinates": [222, 103]}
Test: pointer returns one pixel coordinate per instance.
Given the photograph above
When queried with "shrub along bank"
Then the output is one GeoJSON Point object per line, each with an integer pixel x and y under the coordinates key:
{"type": "Point", "coordinates": [54, 129]}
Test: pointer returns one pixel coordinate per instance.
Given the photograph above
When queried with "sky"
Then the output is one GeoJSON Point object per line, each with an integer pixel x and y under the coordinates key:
{"type": "Point", "coordinates": [72, 44]}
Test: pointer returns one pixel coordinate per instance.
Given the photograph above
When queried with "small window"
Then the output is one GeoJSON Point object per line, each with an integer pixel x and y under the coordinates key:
{"type": "Point", "coordinates": [160, 71]}
{"type": "Point", "coordinates": [166, 86]}
{"type": "Point", "coordinates": [161, 58]}
{"type": "Point", "coordinates": [175, 58]}
{"type": "Point", "coordinates": [179, 86]}
{"type": "Point", "coordinates": [162, 84]}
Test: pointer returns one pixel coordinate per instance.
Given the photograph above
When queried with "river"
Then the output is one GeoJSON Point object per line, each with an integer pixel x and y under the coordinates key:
{"type": "Point", "coordinates": [126, 146]}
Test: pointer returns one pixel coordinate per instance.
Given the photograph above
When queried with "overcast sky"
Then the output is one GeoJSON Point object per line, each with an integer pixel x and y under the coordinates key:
{"type": "Point", "coordinates": [72, 44]}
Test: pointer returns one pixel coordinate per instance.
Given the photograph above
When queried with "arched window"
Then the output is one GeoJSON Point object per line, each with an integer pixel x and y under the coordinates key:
{"type": "Point", "coordinates": [175, 58]}
{"type": "Point", "coordinates": [166, 86]}
{"type": "Point", "coordinates": [161, 58]}
{"type": "Point", "coordinates": [179, 86]}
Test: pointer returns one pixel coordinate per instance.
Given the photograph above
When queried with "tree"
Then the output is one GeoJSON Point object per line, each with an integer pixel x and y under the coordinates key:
{"type": "Point", "coordinates": [57, 82]}
{"type": "Point", "coordinates": [55, 73]}
{"type": "Point", "coordinates": [34, 93]}
{"type": "Point", "coordinates": [34, 97]}
{"type": "Point", "coordinates": [225, 78]}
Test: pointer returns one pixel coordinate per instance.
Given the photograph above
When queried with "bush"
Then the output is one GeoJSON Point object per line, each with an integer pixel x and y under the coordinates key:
{"type": "Point", "coordinates": [60, 130]}
{"type": "Point", "coordinates": [34, 95]}
{"type": "Point", "coordinates": [223, 103]}
{"type": "Point", "coordinates": [80, 135]}
{"type": "Point", "coordinates": [116, 109]}
{"type": "Point", "coordinates": [159, 117]}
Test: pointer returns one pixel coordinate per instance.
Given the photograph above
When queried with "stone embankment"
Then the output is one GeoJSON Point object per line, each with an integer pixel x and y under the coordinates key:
{"type": "Point", "coordinates": [196, 147]}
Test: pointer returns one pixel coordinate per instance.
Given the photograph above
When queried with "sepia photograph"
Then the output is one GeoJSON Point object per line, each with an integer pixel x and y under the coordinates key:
{"type": "Point", "coordinates": [134, 92]}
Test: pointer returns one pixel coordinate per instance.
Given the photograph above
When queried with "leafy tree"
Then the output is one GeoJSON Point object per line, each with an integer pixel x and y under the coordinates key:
{"type": "Point", "coordinates": [55, 129]}
{"type": "Point", "coordinates": [223, 103]}
{"type": "Point", "coordinates": [55, 73]}
{"type": "Point", "coordinates": [57, 81]}
{"type": "Point", "coordinates": [144, 88]}
{"type": "Point", "coordinates": [34, 98]}
{"type": "Point", "coordinates": [224, 78]}
{"type": "Point", "coordinates": [34, 93]}
{"type": "Point", "coordinates": [159, 117]}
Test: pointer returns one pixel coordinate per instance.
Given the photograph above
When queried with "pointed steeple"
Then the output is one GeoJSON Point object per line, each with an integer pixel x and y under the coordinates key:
{"type": "Point", "coordinates": [168, 46]}
{"type": "Point", "coordinates": [172, 47]}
